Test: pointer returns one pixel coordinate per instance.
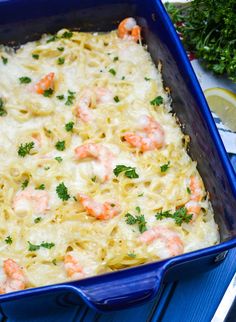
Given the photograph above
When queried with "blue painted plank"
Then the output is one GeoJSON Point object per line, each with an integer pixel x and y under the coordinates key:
{"type": "Point", "coordinates": [196, 300]}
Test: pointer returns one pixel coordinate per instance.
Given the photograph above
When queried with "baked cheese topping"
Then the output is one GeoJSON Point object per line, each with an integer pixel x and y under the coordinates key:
{"type": "Point", "coordinates": [94, 173]}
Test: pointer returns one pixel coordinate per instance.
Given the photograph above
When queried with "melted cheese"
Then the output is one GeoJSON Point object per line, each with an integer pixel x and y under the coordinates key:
{"type": "Point", "coordinates": [98, 245]}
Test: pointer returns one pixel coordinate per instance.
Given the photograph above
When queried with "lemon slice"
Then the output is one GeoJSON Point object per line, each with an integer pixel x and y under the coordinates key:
{"type": "Point", "coordinates": [223, 102]}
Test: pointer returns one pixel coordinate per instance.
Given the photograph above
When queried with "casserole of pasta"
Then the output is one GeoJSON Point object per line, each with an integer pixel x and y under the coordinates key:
{"type": "Point", "coordinates": [94, 173]}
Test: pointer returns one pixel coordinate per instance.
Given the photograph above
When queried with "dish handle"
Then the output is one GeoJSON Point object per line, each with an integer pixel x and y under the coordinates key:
{"type": "Point", "coordinates": [121, 290]}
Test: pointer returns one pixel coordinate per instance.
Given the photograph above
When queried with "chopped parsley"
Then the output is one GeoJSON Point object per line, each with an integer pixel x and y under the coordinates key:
{"type": "Point", "coordinates": [140, 220]}
{"type": "Point", "coordinates": [46, 168]}
{"type": "Point", "coordinates": [69, 126]}
{"type": "Point", "coordinates": [157, 101]}
{"type": "Point", "coordinates": [60, 97]}
{"type": "Point", "coordinates": [94, 178]}
{"type": "Point", "coordinates": [25, 149]}
{"type": "Point", "coordinates": [141, 194]}
{"type": "Point", "coordinates": [3, 112]}
{"type": "Point", "coordinates": [52, 38]}
{"type": "Point", "coordinates": [70, 98]}
{"type": "Point", "coordinates": [147, 79]}
{"type": "Point", "coordinates": [60, 48]}
{"type": "Point", "coordinates": [25, 80]}
{"type": "Point", "coordinates": [47, 245]}
{"type": "Point", "coordinates": [37, 220]}
{"type": "Point", "coordinates": [60, 60]}
{"type": "Point", "coordinates": [165, 167]}
{"type": "Point", "coordinates": [33, 247]}
{"type": "Point", "coordinates": [41, 187]}
{"type": "Point", "coordinates": [132, 255]}
{"type": "Point", "coordinates": [67, 34]}
{"type": "Point", "coordinates": [115, 58]}
{"type": "Point", "coordinates": [60, 145]}
{"type": "Point", "coordinates": [123, 77]}
{"type": "Point", "coordinates": [24, 184]}
{"type": "Point", "coordinates": [8, 240]}
{"type": "Point", "coordinates": [4, 60]}
{"type": "Point", "coordinates": [116, 99]}
{"type": "Point", "coordinates": [112, 71]}
{"type": "Point", "coordinates": [180, 216]}
{"type": "Point", "coordinates": [62, 192]}
{"type": "Point", "coordinates": [35, 56]}
{"type": "Point", "coordinates": [59, 159]}
{"type": "Point", "coordinates": [48, 92]}
{"type": "Point", "coordinates": [129, 172]}
{"type": "Point", "coordinates": [188, 190]}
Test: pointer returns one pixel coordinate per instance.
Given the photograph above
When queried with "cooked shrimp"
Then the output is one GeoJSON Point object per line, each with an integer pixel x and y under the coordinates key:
{"type": "Point", "coordinates": [128, 28]}
{"type": "Point", "coordinates": [150, 137]}
{"type": "Point", "coordinates": [31, 199]}
{"type": "Point", "coordinates": [72, 267]}
{"type": "Point", "coordinates": [45, 83]}
{"type": "Point", "coordinates": [193, 206]}
{"type": "Point", "coordinates": [170, 238]}
{"type": "Point", "coordinates": [99, 152]}
{"type": "Point", "coordinates": [102, 95]}
{"type": "Point", "coordinates": [106, 210]}
{"type": "Point", "coordinates": [15, 279]}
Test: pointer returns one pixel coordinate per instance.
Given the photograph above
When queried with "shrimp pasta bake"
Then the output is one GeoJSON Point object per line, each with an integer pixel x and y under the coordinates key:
{"type": "Point", "coordinates": [94, 173]}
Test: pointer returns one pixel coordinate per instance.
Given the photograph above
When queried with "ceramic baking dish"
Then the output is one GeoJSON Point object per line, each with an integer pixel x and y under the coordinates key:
{"type": "Point", "coordinates": [24, 20]}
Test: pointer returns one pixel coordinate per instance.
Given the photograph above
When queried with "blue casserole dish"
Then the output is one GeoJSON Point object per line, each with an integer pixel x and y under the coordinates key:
{"type": "Point", "coordinates": [25, 20]}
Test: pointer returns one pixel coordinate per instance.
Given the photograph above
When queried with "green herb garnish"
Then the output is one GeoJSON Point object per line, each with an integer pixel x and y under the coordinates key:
{"type": "Point", "coordinates": [60, 48]}
{"type": "Point", "coordinates": [48, 92]}
{"type": "Point", "coordinates": [140, 220]}
{"type": "Point", "coordinates": [35, 56]}
{"type": "Point", "coordinates": [37, 220]}
{"type": "Point", "coordinates": [147, 79]}
{"type": "Point", "coordinates": [59, 159]}
{"type": "Point", "coordinates": [60, 97]}
{"type": "Point", "coordinates": [70, 98]}
{"type": "Point", "coordinates": [47, 245]}
{"type": "Point", "coordinates": [41, 187]}
{"type": "Point", "coordinates": [62, 192]}
{"type": "Point", "coordinates": [129, 172]}
{"type": "Point", "coordinates": [33, 247]}
{"type": "Point", "coordinates": [157, 101]}
{"type": "Point", "coordinates": [180, 216]}
{"type": "Point", "coordinates": [52, 38]}
{"type": "Point", "coordinates": [60, 60]}
{"type": "Point", "coordinates": [188, 190]}
{"type": "Point", "coordinates": [69, 126]}
{"type": "Point", "coordinates": [116, 99]}
{"type": "Point", "coordinates": [112, 71]}
{"type": "Point", "coordinates": [4, 60]}
{"type": "Point", "coordinates": [24, 184]}
{"type": "Point", "coordinates": [60, 145]}
{"type": "Point", "coordinates": [67, 34]}
{"type": "Point", "coordinates": [165, 167]}
{"type": "Point", "coordinates": [25, 149]}
{"type": "Point", "coordinates": [115, 58]}
{"type": "Point", "coordinates": [54, 261]}
{"type": "Point", "coordinates": [8, 240]}
{"type": "Point", "coordinates": [25, 80]}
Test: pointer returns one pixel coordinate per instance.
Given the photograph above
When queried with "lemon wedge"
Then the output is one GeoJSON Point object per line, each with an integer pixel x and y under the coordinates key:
{"type": "Point", "coordinates": [223, 102]}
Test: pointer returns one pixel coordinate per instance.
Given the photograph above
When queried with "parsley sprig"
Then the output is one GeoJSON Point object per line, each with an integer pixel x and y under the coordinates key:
{"type": "Point", "coordinates": [34, 247]}
{"type": "Point", "coordinates": [180, 216]}
{"type": "Point", "coordinates": [62, 192]}
{"type": "Point", "coordinates": [139, 219]}
{"type": "Point", "coordinates": [157, 101]}
{"type": "Point", "coordinates": [165, 167]}
{"type": "Point", "coordinates": [70, 98]}
{"type": "Point", "coordinates": [25, 149]}
{"type": "Point", "coordinates": [129, 172]}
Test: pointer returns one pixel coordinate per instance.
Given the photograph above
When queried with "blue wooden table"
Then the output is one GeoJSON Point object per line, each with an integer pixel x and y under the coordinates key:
{"type": "Point", "coordinates": [191, 300]}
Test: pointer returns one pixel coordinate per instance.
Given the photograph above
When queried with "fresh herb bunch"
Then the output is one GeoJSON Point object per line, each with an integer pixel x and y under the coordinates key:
{"type": "Point", "coordinates": [209, 30]}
